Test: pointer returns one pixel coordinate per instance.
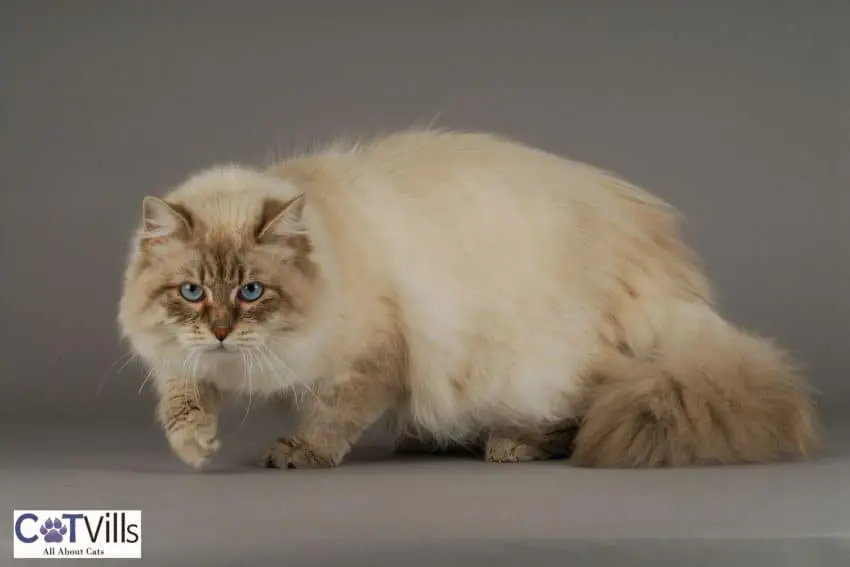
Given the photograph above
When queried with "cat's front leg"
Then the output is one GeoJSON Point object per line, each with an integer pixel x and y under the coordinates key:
{"type": "Point", "coordinates": [188, 413]}
{"type": "Point", "coordinates": [336, 413]}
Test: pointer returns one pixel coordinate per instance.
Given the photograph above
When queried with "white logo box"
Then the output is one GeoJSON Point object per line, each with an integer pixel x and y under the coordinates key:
{"type": "Point", "coordinates": [77, 534]}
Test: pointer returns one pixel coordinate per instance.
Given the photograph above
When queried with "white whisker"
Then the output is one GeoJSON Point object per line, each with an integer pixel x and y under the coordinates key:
{"type": "Point", "coordinates": [120, 363]}
{"type": "Point", "coordinates": [196, 360]}
{"type": "Point", "coordinates": [291, 381]}
{"type": "Point", "coordinates": [285, 385]}
{"type": "Point", "coordinates": [246, 377]}
{"type": "Point", "coordinates": [148, 377]}
{"type": "Point", "coordinates": [184, 375]}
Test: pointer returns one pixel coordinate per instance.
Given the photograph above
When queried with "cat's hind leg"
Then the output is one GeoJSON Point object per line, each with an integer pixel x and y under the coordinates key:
{"type": "Point", "coordinates": [511, 446]}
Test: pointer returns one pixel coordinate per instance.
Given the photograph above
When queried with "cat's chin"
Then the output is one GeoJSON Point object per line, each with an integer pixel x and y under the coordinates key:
{"type": "Point", "coordinates": [219, 350]}
{"type": "Point", "coordinates": [223, 350]}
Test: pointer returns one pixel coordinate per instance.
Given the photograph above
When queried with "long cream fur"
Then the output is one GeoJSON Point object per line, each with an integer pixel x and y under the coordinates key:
{"type": "Point", "coordinates": [471, 285]}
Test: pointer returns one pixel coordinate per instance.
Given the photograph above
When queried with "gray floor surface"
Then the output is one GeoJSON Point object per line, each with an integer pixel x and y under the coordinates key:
{"type": "Point", "coordinates": [384, 509]}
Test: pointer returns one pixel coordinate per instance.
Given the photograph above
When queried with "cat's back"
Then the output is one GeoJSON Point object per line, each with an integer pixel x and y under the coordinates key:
{"type": "Point", "coordinates": [469, 167]}
{"type": "Point", "coordinates": [456, 160]}
{"type": "Point", "coordinates": [456, 211]}
{"type": "Point", "coordinates": [444, 150]}
{"type": "Point", "coordinates": [455, 194]}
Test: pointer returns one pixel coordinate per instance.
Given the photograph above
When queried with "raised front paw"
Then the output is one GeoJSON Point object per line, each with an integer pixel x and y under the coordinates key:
{"type": "Point", "coordinates": [292, 453]}
{"type": "Point", "coordinates": [194, 440]}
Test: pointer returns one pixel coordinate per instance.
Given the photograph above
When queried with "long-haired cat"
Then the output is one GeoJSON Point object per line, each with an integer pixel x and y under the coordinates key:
{"type": "Point", "coordinates": [476, 289]}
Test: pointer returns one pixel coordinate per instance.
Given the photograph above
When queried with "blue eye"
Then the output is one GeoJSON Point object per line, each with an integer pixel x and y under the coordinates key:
{"type": "Point", "coordinates": [192, 292]}
{"type": "Point", "coordinates": [251, 291]}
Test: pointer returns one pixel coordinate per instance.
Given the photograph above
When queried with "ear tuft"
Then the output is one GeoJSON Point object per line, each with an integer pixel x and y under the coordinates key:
{"type": "Point", "coordinates": [281, 219]}
{"type": "Point", "coordinates": [161, 219]}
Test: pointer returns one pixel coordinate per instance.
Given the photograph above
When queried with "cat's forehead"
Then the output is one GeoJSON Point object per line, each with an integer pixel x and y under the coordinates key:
{"type": "Point", "coordinates": [209, 257]}
{"type": "Point", "coordinates": [221, 259]}
{"type": "Point", "coordinates": [226, 258]}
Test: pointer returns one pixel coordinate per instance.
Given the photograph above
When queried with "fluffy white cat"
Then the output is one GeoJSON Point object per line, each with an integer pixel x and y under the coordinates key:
{"type": "Point", "coordinates": [477, 289]}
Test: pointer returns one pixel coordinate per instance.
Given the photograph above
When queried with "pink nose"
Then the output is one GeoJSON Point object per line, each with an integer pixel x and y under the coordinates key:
{"type": "Point", "coordinates": [221, 332]}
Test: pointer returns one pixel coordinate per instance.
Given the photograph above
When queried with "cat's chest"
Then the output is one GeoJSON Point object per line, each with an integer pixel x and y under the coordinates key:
{"type": "Point", "coordinates": [257, 374]}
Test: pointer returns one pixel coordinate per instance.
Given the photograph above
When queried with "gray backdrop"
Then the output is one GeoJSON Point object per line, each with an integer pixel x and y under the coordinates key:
{"type": "Point", "coordinates": [736, 112]}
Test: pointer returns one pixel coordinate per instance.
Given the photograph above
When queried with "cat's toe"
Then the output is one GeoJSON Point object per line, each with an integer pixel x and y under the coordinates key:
{"type": "Point", "coordinates": [193, 447]}
{"type": "Point", "coordinates": [273, 460]}
{"type": "Point", "coordinates": [208, 443]}
{"type": "Point", "coordinates": [287, 453]}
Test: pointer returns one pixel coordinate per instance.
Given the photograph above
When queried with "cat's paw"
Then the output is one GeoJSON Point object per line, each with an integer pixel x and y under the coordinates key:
{"type": "Point", "coordinates": [506, 450]}
{"type": "Point", "coordinates": [292, 453]}
{"type": "Point", "coordinates": [194, 441]}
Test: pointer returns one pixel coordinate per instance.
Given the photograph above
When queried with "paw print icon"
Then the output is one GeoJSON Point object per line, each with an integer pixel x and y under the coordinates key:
{"type": "Point", "coordinates": [53, 530]}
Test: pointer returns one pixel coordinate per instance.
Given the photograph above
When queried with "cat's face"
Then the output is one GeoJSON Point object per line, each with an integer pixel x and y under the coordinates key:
{"type": "Point", "coordinates": [228, 277]}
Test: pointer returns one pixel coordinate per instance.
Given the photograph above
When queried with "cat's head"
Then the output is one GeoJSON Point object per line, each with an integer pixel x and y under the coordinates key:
{"type": "Point", "coordinates": [221, 265]}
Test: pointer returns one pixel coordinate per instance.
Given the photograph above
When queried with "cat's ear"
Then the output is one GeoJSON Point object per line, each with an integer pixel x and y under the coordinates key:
{"type": "Point", "coordinates": [161, 219]}
{"type": "Point", "coordinates": [282, 220]}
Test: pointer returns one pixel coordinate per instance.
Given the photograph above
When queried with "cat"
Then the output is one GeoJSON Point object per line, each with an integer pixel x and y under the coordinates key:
{"type": "Point", "coordinates": [476, 289]}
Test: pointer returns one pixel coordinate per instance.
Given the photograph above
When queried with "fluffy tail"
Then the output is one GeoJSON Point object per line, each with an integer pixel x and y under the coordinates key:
{"type": "Point", "coordinates": [714, 394]}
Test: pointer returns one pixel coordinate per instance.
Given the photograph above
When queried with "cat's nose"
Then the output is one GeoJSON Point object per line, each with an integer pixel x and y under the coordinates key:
{"type": "Point", "coordinates": [221, 332]}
